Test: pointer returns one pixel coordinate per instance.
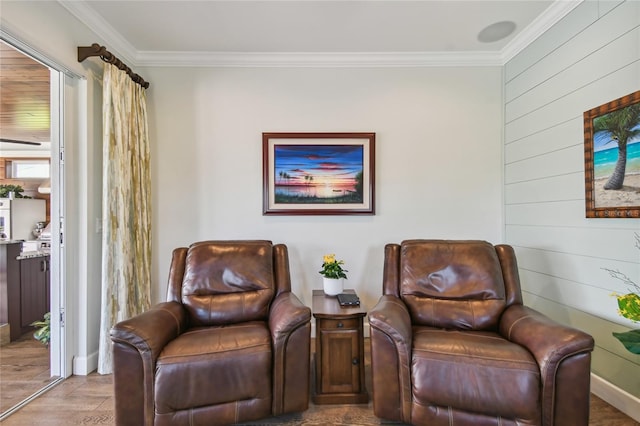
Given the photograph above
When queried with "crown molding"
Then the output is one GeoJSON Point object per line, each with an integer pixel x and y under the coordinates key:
{"type": "Point", "coordinates": [551, 16]}
{"type": "Point", "coordinates": [319, 59]}
{"type": "Point", "coordinates": [117, 43]}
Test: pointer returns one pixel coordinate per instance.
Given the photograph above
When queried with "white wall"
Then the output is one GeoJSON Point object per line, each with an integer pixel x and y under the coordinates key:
{"type": "Point", "coordinates": [589, 58]}
{"type": "Point", "coordinates": [438, 160]}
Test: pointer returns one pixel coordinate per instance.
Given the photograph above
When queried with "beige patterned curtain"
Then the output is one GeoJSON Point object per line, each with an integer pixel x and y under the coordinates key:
{"type": "Point", "coordinates": [126, 206]}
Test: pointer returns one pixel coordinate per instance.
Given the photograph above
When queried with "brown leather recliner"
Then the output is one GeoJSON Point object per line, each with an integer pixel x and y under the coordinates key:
{"type": "Point", "coordinates": [231, 344]}
{"type": "Point", "coordinates": [452, 343]}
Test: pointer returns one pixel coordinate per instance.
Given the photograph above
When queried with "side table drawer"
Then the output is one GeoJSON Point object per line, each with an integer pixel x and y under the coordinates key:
{"type": "Point", "coordinates": [338, 324]}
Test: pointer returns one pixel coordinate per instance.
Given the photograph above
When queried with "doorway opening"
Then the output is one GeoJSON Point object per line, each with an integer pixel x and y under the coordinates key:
{"type": "Point", "coordinates": [31, 172]}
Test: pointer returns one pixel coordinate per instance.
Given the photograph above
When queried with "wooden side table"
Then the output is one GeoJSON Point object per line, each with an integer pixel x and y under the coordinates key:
{"type": "Point", "coordinates": [339, 357]}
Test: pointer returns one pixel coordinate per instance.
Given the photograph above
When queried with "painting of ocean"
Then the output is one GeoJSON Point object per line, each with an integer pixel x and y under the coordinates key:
{"type": "Point", "coordinates": [317, 174]}
{"type": "Point", "coordinates": [604, 160]}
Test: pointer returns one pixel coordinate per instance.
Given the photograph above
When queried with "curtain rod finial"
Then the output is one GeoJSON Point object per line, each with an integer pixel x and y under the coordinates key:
{"type": "Point", "coordinates": [85, 52]}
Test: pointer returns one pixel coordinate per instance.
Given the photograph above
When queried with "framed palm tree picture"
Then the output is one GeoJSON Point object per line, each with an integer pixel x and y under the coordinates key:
{"type": "Point", "coordinates": [612, 158]}
{"type": "Point", "coordinates": [318, 173]}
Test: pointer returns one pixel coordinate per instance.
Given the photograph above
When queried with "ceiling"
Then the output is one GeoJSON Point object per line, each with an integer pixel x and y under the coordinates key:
{"type": "Point", "coordinates": [24, 99]}
{"type": "Point", "coordinates": [183, 32]}
{"type": "Point", "coordinates": [267, 32]}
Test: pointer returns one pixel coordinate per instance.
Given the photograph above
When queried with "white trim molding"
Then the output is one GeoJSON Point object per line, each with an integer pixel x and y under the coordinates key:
{"type": "Point", "coordinates": [554, 13]}
{"type": "Point", "coordinates": [118, 45]}
{"type": "Point", "coordinates": [613, 395]}
{"type": "Point", "coordinates": [83, 365]}
{"type": "Point", "coordinates": [318, 59]}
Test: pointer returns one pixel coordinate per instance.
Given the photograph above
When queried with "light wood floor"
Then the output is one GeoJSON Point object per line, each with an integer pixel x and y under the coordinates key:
{"type": "Point", "coordinates": [24, 369]}
{"type": "Point", "coordinates": [88, 400]}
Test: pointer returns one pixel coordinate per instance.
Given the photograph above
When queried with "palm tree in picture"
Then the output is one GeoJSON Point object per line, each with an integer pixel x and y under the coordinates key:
{"type": "Point", "coordinates": [308, 179]}
{"type": "Point", "coordinates": [622, 126]}
{"type": "Point", "coordinates": [360, 184]}
{"type": "Point", "coordinates": [286, 176]}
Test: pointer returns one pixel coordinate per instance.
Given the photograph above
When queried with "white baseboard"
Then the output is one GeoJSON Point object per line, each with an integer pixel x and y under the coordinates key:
{"type": "Point", "coordinates": [613, 395]}
{"type": "Point", "coordinates": [83, 365]}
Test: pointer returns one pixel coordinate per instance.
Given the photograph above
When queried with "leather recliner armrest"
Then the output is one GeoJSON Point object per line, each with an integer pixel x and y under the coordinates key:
{"type": "Point", "coordinates": [150, 331]}
{"type": "Point", "coordinates": [137, 343]}
{"type": "Point", "coordinates": [564, 356]}
{"type": "Point", "coordinates": [287, 314]}
{"type": "Point", "coordinates": [391, 341]}
{"type": "Point", "coordinates": [290, 326]}
{"type": "Point", "coordinates": [391, 316]}
{"type": "Point", "coordinates": [548, 341]}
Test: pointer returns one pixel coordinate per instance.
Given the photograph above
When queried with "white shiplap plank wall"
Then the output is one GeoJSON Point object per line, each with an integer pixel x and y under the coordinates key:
{"type": "Point", "coordinates": [590, 57]}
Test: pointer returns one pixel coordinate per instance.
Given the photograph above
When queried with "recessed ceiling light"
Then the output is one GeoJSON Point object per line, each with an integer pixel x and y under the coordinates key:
{"type": "Point", "coordinates": [497, 31]}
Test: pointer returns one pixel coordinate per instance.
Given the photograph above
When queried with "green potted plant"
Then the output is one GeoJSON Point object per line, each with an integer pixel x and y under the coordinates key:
{"type": "Point", "coordinates": [16, 189]}
{"type": "Point", "coordinates": [333, 275]}
{"type": "Point", "coordinates": [43, 329]}
{"type": "Point", "coordinates": [628, 307]}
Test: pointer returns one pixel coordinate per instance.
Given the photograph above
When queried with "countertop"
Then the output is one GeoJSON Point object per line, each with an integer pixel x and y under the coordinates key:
{"type": "Point", "coordinates": [10, 241]}
{"type": "Point", "coordinates": [30, 254]}
{"type": "Point", "coordinates": [27, 254]}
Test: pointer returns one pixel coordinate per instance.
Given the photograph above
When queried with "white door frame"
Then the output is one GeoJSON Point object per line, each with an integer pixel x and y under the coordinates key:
{"type": "Point", "coordinates": [66, 86]}
{"type": "Point", "coordinates": [58, 299]}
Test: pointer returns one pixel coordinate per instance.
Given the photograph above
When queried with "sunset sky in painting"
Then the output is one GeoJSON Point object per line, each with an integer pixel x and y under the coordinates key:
{"type": "Point", "coordinates": [328, 165]}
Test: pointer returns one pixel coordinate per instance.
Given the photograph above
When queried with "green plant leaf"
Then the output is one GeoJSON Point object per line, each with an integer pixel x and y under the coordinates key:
{"type": "Point", "coordinates": [43, 332]}
{"type": "Point", "coordinates": [16, 189]}
{"type": "Point", "coordinates": [630, 340]}
{"type": "Point", "coordinates": [629, 306]}
{"type": "Point", "coordinates": [332, 268]}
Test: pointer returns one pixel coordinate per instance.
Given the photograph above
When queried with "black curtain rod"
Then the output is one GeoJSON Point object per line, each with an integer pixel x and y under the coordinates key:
{"type": "Point", "coordinates": [95, 49]}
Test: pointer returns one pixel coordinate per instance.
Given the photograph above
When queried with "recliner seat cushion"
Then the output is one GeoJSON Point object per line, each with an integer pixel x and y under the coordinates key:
{"type": "Point", "coordinates": [478, 372]}
{"type": "Point", "coordinates": [213, 366]}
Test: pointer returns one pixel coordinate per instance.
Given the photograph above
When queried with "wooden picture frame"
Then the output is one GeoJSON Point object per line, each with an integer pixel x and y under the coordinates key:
{"type": "Point", "coordinates": [318, 173]}
{"type": "Point", "coordinates": [612, 159]}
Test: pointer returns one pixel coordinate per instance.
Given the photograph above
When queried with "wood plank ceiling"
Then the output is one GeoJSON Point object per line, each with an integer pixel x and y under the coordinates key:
{"type": "Point", "coordinates": [24, 97]}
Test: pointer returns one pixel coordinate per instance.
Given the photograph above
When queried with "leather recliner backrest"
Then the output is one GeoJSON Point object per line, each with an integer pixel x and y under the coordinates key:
{"type": "Point", "coordinates": [228, 282]}
{"type": "Point", "coordinates": [452, 284]}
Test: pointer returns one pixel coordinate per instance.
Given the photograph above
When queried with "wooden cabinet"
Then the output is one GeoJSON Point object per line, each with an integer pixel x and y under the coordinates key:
{"type": "Point", "coordinates": [34, 290]}
{"type": "Point", "coordinates": [10, 288]}
{"type": "Point", "coordinates": [24, 289]}
{"type": "Point", "coordinates": [339, 357]}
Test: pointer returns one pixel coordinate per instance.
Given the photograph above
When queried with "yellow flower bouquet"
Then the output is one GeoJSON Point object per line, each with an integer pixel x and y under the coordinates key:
{"type": "Point", "coordinates": [332, 268]}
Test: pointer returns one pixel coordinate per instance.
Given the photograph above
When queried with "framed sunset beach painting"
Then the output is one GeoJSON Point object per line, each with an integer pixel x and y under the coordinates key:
{"type": "Point", "coordinates": [612, 158]}
{"type": "Point", "coordinates": [318, 173]}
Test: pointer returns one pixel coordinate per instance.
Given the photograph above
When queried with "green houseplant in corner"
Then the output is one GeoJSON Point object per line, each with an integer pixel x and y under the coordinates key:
{"type": "Point", "coordinates": [43, 329]}
{"type": "Point", "coordinates": [628, 307]}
